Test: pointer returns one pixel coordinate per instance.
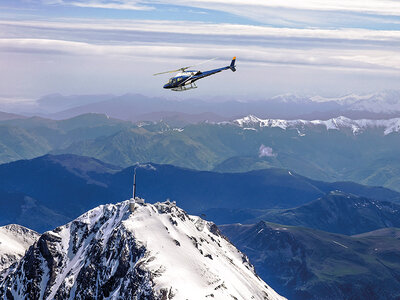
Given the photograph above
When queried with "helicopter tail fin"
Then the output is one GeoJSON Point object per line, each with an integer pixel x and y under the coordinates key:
{"type": "Point", "coordinates": [233, 66]}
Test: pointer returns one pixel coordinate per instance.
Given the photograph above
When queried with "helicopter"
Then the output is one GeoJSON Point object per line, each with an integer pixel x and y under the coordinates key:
{"type": "Point", "coordinates": [185, 79]}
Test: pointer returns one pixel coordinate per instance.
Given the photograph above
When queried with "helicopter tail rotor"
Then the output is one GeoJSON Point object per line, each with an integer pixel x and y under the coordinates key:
{"type": "Point", "coordinates": [233, 66]}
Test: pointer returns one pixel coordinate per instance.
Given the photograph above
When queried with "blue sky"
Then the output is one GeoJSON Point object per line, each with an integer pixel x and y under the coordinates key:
{"type": "Point", "coordinates": [306, 47]}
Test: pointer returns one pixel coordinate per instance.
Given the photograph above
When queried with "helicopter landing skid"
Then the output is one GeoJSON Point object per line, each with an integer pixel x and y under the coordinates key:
{"type": "Point", "coordinates": [185, 87]}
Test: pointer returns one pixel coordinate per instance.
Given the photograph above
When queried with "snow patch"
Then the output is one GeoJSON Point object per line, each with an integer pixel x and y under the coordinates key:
{"type": "Point", "coordinates": [337, 243]}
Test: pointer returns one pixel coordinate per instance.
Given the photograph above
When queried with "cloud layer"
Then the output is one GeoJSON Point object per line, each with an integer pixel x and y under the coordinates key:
{"type": "Point", "coordinates": [359, 48]}
{"type": "Point", "coordinates": [278, 36]}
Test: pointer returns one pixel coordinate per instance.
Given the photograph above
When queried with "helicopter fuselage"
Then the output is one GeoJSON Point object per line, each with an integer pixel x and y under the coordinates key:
{"type": "Point", "coordinates": [185, 80]}
{"type": "Point", "coordinates": [182, 78]}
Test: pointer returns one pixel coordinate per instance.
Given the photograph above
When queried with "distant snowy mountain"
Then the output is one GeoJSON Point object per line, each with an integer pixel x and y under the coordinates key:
{"type": "Point", "coordinates": [155, 252]}
{"type": "Point", "coordinates": [291, 99]}
{"type": "Point", "coordinates": [14, 241]}
{"type": "Point", "coordinates": [356, 126]}
{"type": "Point", "coordinates": [347, 99]}
{"type": "Point", "coordinates": [382, 102]}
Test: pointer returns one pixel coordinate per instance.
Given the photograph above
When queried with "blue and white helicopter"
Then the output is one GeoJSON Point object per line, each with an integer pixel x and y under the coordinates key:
{"type": "Point", "coordinates": [185, 79]}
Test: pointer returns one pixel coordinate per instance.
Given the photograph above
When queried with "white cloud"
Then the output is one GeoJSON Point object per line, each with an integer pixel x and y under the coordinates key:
{"type": "Point", "coordinates": [327, 58]}
{"type": "Point", "coordinates": [119, 4]}
{"type": "Point", "coordinates": [290, 13]}
{"type": "Point", "coordinates": [386, 7]}
{"type": "Point", "coordinates": [211, 29]}
{"type": "Point", "coordinates": [379, 7]}
{"type": "Point", "coordinates": [265, 151]}
{"type": "Point", "coordinates": [344, 48]}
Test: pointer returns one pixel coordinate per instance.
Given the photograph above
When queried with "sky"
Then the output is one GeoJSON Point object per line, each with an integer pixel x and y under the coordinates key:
{"type": "Point", "coordinates": [307, 47]}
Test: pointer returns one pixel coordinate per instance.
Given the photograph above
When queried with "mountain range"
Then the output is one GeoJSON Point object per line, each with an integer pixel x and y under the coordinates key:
{"type": "Point", "coordinates": [48, 191]}
{"type": "Point", "coordinates": [307, 187]}
{"type": "Point", "coordinates": [335, 212]}
{"type": "Point", "coordinates": [340, 123]}
{"type": "Point", "coordinates": [299, 261]}
{"type": "Point", "coordinates": [144, 249]}
{"type": "Point", "coordinates": [302, 263]}
{"type": "Point", "coordinates": [338, 149]}
{"type": "Point", "coordinates": [136, 107]}
{"type": "Point", "coordinates": [9, 116]}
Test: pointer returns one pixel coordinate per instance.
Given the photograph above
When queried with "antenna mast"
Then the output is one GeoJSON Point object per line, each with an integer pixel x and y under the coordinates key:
{"type": "Point", "coordinates": [134, 185]}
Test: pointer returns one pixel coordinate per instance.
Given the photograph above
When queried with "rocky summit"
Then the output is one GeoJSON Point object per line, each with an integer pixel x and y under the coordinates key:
{"type": "Point", "coordinates": [140, 251]}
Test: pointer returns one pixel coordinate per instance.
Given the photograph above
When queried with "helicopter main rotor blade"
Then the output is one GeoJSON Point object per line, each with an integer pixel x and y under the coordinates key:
{"type": "Point", "coordinates": [184, 68]}
{"type": "Point", "coordinates": [173, 71]}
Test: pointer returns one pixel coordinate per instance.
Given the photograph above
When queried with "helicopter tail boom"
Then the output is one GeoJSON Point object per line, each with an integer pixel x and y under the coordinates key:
{"type": "Point", "coordinates": [233, 66]}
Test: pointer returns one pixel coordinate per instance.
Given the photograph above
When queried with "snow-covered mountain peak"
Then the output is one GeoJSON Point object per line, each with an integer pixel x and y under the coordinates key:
{"type": "Point", "coordinates": [14, 241]}
{"type": "Point", "coordinates": [251, 121]}
{"type": "Point", "coordinates": [380, 102]}
{"type": "Point", "coordinates": [339, 123]}
{"type": "Point", "coordinates": [291, 98]}
{"type": "Point", "coordinates": [346, 99]}
{"type": "Point", "coordinates": [154, 251]}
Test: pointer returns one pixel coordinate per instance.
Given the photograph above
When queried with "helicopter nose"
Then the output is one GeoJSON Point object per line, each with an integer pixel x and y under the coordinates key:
{"type": "Point", "coordinates": [166, 86]}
